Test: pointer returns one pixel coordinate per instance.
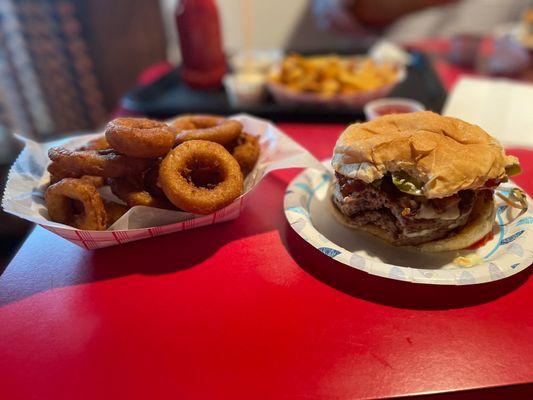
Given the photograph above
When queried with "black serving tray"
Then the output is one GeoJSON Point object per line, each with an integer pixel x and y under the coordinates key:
{"type": "Point", "coordinates": [169, 96]}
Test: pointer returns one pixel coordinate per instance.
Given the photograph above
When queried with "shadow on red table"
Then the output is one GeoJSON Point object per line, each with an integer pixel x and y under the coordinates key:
{"type": "Point", "coordinates": [161, 255]}
{"type": "Point", "coordinates": [155, 256]}
{"type": "Point", "coordinates": [392, 292]}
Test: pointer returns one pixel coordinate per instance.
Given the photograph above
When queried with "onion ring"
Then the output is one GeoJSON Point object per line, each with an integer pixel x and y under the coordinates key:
{"type": "Point", "coordinates": [107, 163]}
{"type": "Point", "coordinates": [99, 143]}
{"type": "Point", "coordinates": [246, 152]}
{"type": "Point", "coordinates": [184, 123]}
{"type": "Point", "coordinates": [114, 211]}
{"type": "Point", "coordinates": [56, 174]}
{"type": "Point", "coordinates": [132, 192]}
{"type": "Point", "coordinates": [151, 185]}
{"type": "Point", "coordinates": [206, 127]}
{"type": "Point", "coordinates": [96, 181]}
{"type": "Point", "coordinates": [200, 177]}
{"type": "Point", "coordinates": [61, 198]}
{"type": "Point", "coordinates": [140, 137]}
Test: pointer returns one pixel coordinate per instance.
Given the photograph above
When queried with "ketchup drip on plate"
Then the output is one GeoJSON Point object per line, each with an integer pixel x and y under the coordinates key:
{"type": "Point", "coordinates": [481, 242]}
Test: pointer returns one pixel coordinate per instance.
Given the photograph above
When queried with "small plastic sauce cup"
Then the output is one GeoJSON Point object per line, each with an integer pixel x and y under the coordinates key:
{"type": "Point", "coordinates": [245, 89]}
{"type": "Point", "coordinates": [378, 108]}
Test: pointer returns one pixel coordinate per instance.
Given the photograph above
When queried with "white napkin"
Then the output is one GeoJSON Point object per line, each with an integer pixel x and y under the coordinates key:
{"type": "Point", "coordinates": [502, 107]}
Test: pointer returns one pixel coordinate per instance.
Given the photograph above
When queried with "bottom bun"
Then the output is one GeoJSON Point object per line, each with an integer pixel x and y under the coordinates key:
{"type": "Point", "coordinates": [479, 225]}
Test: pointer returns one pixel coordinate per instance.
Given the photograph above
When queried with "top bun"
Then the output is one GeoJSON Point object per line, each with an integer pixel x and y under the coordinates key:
{"type": "Point", "coordinates": [444, 154]}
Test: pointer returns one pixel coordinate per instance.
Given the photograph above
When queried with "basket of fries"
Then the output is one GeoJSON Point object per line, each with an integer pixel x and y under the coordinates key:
{"type": "Point", "coordinates": [332, 81]}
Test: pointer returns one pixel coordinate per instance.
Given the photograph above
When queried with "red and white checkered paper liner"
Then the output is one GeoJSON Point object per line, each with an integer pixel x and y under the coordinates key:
{"type": "Point", "coordinates": [23, 195]}
{"type": "Point", "coordinates": [97, 239]}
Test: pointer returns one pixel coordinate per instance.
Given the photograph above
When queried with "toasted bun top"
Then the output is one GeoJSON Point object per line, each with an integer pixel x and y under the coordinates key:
{"type": "Point", "coordinates": [445, 154]}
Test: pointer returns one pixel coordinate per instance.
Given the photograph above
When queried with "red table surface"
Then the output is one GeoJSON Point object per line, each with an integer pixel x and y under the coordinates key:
{"type": "Point", "coordinates": [246, 309]}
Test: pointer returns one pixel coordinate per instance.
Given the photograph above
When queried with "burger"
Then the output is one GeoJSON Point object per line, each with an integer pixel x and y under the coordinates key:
{"type": "Point", "coordinates": [419, 179]}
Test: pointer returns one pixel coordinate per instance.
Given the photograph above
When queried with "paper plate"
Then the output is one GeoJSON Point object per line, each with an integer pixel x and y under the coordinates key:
{"type": "Point", "coordinates": [507, 253]}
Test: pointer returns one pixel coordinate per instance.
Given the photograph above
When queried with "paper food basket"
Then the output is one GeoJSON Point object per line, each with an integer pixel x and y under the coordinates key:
{"type": "Point", "coordinates": [28, 179]}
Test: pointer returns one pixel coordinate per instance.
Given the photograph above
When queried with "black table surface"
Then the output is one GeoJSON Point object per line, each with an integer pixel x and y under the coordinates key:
{"type": "Point", "coordinates": [169, 96]}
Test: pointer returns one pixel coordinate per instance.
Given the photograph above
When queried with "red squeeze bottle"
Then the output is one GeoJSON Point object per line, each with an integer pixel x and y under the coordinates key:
{"type": "Point", "coordinates": [203, 61]}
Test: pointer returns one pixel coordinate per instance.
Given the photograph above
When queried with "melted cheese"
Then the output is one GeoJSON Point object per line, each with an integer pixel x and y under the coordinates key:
{"type": "Point", "coordinates": [423, 232]}
{"type": "Point", "coordinates": [428, 212]}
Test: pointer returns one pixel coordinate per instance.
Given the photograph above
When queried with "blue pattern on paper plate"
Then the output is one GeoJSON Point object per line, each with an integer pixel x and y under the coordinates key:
{"type": "Point", "coordinates": [357, 261]}
{"type": "Point", "coordinates": [499, 212]}
{"type": "Point", "coordinates": [516, 249]}
{"type": "Point", "coordinates": [397, 273]}
{"type": "Point", "coordinates": [305, 187]}
{"type": "Point", "coordinates": [495, 272]}
{"type": "Point", "coordinates": [298, 209]}
{"type": "Point", "coordinates": [298, 225]}
{"type": "Point", "coordinates": [329, 251]}
{"type": "Point", "coordinates": [514, 236]}
{"type": "Point", "coordinates": [526, 220]}
{"type": "Point", "coordinates": [466, 278]}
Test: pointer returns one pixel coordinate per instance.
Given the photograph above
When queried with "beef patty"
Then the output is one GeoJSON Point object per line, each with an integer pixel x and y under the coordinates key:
{"type": "Point", "coordinates": [408, 219]}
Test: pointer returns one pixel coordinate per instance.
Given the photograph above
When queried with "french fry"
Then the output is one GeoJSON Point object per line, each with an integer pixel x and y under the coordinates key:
{"type": "Point", "coordinates": [330, 74]}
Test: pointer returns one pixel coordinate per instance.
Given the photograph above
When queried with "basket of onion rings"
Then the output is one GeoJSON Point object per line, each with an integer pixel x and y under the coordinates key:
{"type": "Point", "coordinates": [141, 178]}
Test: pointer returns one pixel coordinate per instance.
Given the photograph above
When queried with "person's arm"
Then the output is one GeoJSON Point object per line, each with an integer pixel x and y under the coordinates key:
{"type": "Point", "coordinates": [344, 15]}
{"type": "Point", "coordinates": [380, 13]}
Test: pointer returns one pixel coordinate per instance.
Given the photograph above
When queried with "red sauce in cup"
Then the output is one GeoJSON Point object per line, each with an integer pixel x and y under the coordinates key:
{"type": "Point", "coordinates": [393, 109]}
{"type": "Point", "coordinates": [392, 105]}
